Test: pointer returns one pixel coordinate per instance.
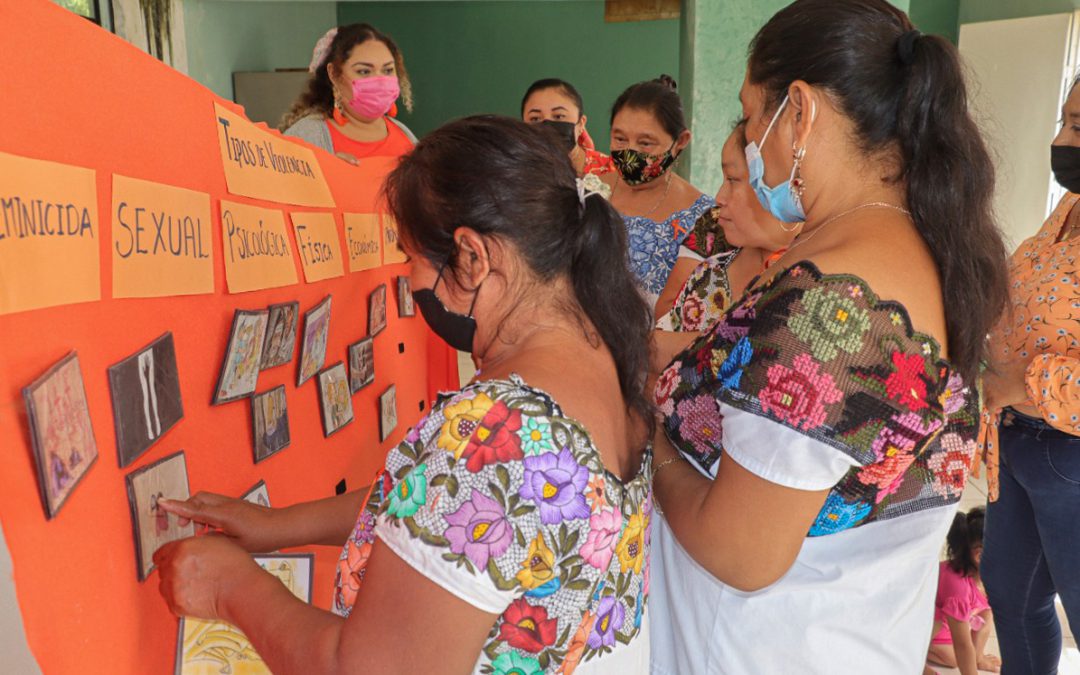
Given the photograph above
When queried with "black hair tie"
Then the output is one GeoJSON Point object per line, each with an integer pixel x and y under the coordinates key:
{"type": "Point", "coordinates": [905, 46]}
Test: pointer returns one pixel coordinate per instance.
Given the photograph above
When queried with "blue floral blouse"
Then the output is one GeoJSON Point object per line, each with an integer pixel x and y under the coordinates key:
{"type": "Point", "coordinates": [654, 245]}
{"type": "Point", "coordinates": [503, 500]}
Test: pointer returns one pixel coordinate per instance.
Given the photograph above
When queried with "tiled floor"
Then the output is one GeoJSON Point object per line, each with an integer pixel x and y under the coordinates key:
{"type": "Point", "coordinates": [975, 495]}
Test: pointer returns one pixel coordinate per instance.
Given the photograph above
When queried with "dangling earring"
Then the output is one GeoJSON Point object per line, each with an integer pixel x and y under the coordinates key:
{"type": "Point", "coordinates": [339, 115]}
{"type": "Point", "coordinates": [798, 185]}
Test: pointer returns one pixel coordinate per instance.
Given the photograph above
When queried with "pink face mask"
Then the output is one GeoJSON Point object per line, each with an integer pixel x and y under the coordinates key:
{"type": "Point", "coordinates": [373, 96]}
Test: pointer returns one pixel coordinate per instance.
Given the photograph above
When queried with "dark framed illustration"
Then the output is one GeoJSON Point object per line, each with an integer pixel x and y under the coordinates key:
{"type": "Point", "coordinates": [377, 311]}
{"type": "Point", "coordinates": [279, 346]}
{"type": "Point", "coordinates": [240, 369]}
{"type": "Point", "coordinates": [269, 422]}
{"type": "Point", "coordinates": [61, 433]}
{"type": "Point", "coordinates": [313, 346]}
{"type": "Point", "coordinates": [145, 391]}
{"type": "Point", "coordinates": [154, 526]}
{"type": "Point", "coordinates": [361, 364]}
{"type": "Point", "coordinates": [258, 494]}
{"type": "Point", "coordinates": [406, 306]}
{"type": "Point", "coordinates": [335, 399]}
{"type": "Point", "coordinates": [387, 412]}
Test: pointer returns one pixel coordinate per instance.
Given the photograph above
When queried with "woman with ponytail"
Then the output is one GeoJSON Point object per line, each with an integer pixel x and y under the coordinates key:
{"type": "Point", "coordinates": [817, 438]}
{"type": "Point", "coordinates": [509, 532]}
{"type": "Point", "coordinates": [349, 107]}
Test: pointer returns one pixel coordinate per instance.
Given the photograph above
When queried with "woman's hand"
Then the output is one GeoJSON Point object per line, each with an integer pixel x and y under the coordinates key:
{"type": "Point", "coordinates": [1004, 384]}
{"type": "Point", "coordinates": [351, 159]}
{"type": "Point", "coordinates": [250, 526]}
{"type": "Point", "coordinates": [989, 663]}
{"type": "Point", "coordinates": [199, 573]}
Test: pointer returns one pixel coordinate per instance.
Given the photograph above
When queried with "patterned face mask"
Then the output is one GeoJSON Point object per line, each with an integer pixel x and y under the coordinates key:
{"type": "Point", "coordinates": [638, 168]}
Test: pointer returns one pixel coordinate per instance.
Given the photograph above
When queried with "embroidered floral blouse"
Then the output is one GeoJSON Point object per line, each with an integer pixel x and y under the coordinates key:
{"type": "Point", "coordinates": [1044, 277]}
{"type": "Point", "coordinates": [848, 395]}
{"type": "Point", "coordinates": [597, 163]}
{"type": "Point", "coordinates": [654, 245]}
{"type": "Point", "coordinates": [503, 500]}
{"type": "Point", "coordinates": [706, 294]}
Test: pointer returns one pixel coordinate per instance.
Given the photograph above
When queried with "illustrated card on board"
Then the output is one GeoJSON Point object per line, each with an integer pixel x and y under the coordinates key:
{"type": "Point", "coordinates": [270, 422]}
{"type": "Point", "coordinates": [387, 412]}
{"type": "Point", "coordinates": [405, 305]}
{"type": "Point", "coordinates": [145, 389]}
{"type": "Point", "coordinates": [377, 311]}
{"type": "Point", "coordinates": [280, 342]}
{"type": "Point", "coordinates": [240, 369]}
{"type": "Point", "coordinates": [216, 647]}
{"type": "Point", "coordinates": [313, 347]}
{"type": "Point", "coordinates": [335, 398]}
{"type": "Point", "coordinates": [154, 526]}
{"type": "Point", "coordinates": [258, 494]}
{"type": "Point", "coordinates": [60, 430]}
{"type": "Point", "coordinates": [361, 364]}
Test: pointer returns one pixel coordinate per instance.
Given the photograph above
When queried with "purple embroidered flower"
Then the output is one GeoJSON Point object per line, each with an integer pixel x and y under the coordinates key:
{"type": "Point", "coordinates": [479, 529]}
{"type": "Point", "coordinates": [699, 422]}
{"type": "Point", "coordinates": [557, 484]}
{"type": "Point", "coordinates": [955, 394]}
{"type": "Point", "coordinates": [610, 617]}
{"type": "Point", "coordinates": [365, 527]}
{"type": "Point", "coordinates": [735, 325]}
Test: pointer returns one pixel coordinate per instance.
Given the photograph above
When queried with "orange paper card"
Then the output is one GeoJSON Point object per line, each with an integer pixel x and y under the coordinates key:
{"type": "Point", "coordinates": [392, 252]}
{"type": "Point", "coordinates": [49, 230]}
{"type": "Point", "coordinates": [363, 237]}
{"type": "Point", "coordinates": [318, 244]}
{"type": "Point", "coordinates": [256, 248]}
{"type": "Point", "coordinates": [263, 165]}
{"type": "Point", "coordinates": [162, 244]}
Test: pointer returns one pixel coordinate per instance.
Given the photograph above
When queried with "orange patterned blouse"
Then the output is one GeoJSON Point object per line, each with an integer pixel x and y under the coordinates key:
{"type": "Point", "coordinates": [1044, 326]}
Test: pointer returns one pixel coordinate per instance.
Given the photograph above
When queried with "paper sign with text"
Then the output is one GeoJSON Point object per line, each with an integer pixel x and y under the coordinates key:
{"type": "Point", "coordinates": [256, 248]}
{"type": "Point", "coordinates": [49, 248]}
{"type": "Point", "coordinates": [392, 252]}
{"type": "Point", "coordinates": [263, 165]}
{"type": "Point", "coordinates": [318, 244]}
{"type": "Point", "coordinates": [363, 239]}
{"type": "Point", "coordinates": [162, 243]}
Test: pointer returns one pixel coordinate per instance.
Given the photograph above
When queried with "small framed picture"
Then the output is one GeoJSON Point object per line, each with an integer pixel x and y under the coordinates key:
{"type": "Point", "coordinates": [405, 305]}
{"type": "Point", "coordinates": [377, 311]}
{"type": "Point", "coordinates": [145, 390]}
{"type": "Point", "coordinates": [280, 342]}
{"type": "Point", "coordinates": [335, 398]}
{"type": "Point", "coordinates": [240, 369]}
{"type": "Point", "coordinates": [387, 412]}
{"type": "Point", "coordinates": [214, 647]}
{"type": "Point", "coordinates": [154, 527]}
{"type": "Point", "coordinates": [258, 494]}
{"type": "Point", "coordinates": [313, 347]}
{"type": "Point", "coordinates": [361, 364]}
{"type": "Point", "coordinates": [269, 422]}
{"type": "Point", "coordinates": [61, 433]}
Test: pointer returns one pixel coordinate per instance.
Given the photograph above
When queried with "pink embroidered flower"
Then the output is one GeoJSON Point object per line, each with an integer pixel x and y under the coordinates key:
{"type": "Point", "coordinates": [799, 395]}
{"type": "Point", "coordinates": [887, 474]}
{"type": "Point", "coordinates": [665, 385]}
{"type": "Point", "coordinates": [699, 421]}
{"type": "Point", "coordinates": [599, 545]}
{"type": "Point", "coordinates": [907, 382]}
{"type": "Point", "coordinates": [693, 313]}
{"type": "Point", "coordinates": [950, 465]}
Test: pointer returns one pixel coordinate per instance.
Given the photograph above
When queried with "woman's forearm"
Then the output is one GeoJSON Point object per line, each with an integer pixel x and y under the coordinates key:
{"type": "Point", "coordinates": [325, 521]}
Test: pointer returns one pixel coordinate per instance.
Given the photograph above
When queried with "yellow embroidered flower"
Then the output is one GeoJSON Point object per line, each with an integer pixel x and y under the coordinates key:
{"type": "Point", "coordinates": [462, 419]}
{"type": "Point", "coordinates": [716, 359]}
{"type": "Point", "coordinates": [538, 568]}
{"type": "Point", "coordinates": [631, 547]}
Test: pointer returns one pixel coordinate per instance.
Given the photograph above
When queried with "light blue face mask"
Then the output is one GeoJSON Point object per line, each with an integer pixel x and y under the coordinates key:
{"type": "Point", "coordinates": [781, 200]}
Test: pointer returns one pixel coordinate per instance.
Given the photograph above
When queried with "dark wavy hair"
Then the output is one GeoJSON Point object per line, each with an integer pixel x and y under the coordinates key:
{"type": "Point", "coordinates": [554, 83]}
{"type": "Point", "coordinates": [318, 98]}
{"type": "Point", "coordinates": [964, 535]}
{"type": "Point", "coordinates": [905, 96]}
{"type": "Point", "coordinates": [659, 97]}
{"type": "Point", "coordinates": [521, 189]}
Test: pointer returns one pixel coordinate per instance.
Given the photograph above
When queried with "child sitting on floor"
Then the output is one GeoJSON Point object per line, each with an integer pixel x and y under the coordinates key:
{"type": "Point", "coordinates": [962, 618]}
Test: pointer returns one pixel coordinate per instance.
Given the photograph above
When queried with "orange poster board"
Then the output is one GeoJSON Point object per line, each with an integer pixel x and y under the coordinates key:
{"type": "Point", "coordinates": [363, 240]}
{"type": "Point", "coordinates": [319, 245]}
{"type": "Point", "coordinates": [263, 165]}
{"type": "Point", "coordinates": [49, 234]}
{"type": "Point", "coordinates": [256, 248]}
{"type": "Point", "coordinates": [392, 252]}
{"type": "Point", "coordinates": [162, 241]}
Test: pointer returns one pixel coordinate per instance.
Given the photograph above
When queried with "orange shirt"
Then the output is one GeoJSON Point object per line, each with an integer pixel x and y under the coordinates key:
{"type": "Point", "coordinates": [395, 144]}
{"type": "Point", "coordinates": [1043, 327]}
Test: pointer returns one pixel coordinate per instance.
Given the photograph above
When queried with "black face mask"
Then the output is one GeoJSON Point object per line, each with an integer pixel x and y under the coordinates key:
{"type": "Point", "coordinates": [565, 130]}
{"type": "Point", "coordinates": [1065, 162]}
{"type": "Point", "coordinates": [457, 330]}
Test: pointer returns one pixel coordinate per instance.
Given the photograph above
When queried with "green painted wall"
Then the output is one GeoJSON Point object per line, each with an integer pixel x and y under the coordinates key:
{"type": "Point", "coordinates": [992, 10]}
{"type": "Point", "coordinates": [224, 36]}
{"type": "Point", "coordinates": [479, 57]}
{"type": "Point", "coordinates": [937, 17]}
